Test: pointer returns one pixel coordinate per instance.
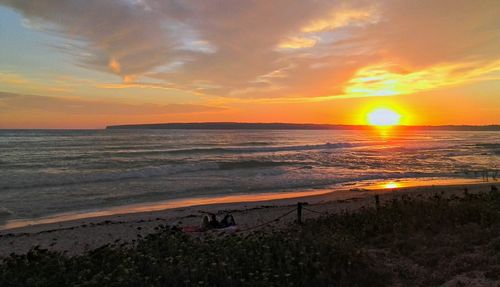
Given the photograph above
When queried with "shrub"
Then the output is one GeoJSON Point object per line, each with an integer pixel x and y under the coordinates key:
{"type": "Point", "coordinates": [331, 250]}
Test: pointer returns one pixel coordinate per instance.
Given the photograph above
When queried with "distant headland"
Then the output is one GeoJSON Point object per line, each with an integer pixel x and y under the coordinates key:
{"type": "Point", "coordinates": [288, 126]}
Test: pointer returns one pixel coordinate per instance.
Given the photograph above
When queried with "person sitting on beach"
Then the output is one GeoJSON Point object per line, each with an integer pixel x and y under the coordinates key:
{"type": "Point", "coordinates": [227, 221]}
{"type": "Point", "coordinates": [205, 222]}
{"type": "Point", "coordinates": [213, 221]}
{"type": "Point", "coordinates": [210, 221]}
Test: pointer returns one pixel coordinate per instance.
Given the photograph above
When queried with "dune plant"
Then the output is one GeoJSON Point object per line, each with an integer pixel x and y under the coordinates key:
{"type": "Point", "coordinates": [408, 241]}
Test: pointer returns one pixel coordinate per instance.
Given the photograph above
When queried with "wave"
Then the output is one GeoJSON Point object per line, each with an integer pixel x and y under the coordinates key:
{"type": "Point", "coordinates": [488, 145]}
{"type": "Point", "coordinates": [252, 164]}
{"type": "Point", "coordinates": [4, 212]}
{"type": "Point", "coordinates": [141, 173]}
{"type": "Point", "coordinates": [148, 172]}
{"type": "Point", "coordinates": [250, 147]}
{"type": "Point", "coordinates": [493, 147]}
{"type": "Point", "coordinates": [255, 143]}
{"type": "Point", "coordinates": [263, 149]}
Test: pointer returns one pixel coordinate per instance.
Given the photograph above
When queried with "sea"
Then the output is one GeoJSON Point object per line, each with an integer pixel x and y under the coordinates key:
{"type": "Point", "coordinates": [44, 173]}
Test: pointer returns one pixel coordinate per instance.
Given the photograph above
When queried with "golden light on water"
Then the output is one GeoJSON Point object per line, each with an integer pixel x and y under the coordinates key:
{"type": "Point", "coordinates": [383, 117]}
{"type": "Point", "coordinates": [391, 185]}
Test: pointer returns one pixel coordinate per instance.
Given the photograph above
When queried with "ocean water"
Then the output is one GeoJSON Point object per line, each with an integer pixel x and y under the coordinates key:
{"type": "Point", "coordinates": [43, 173]}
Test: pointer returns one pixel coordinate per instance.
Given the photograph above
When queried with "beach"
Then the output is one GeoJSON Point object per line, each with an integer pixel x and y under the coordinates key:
{"type": "Point", "coordinates": [80, 235]}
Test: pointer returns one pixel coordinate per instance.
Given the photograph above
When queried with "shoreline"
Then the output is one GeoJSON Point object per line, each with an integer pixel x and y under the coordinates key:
{"type": "Point", "coordinates": [77, 236]}
{"type": "Point", "coordinates": [172, 204]}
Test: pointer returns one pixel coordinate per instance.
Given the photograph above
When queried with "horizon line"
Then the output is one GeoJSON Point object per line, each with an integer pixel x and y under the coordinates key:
{"type": "Point", "coordinates": [138, 125]}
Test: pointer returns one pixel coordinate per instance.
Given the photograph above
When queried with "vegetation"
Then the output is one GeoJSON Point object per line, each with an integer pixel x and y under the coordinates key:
{"type": "Point", "coordinates": [407, 242]}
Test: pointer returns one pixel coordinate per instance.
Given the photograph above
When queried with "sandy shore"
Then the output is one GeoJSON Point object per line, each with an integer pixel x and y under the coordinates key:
{"type": "Point", "coordinates": [76, 236]}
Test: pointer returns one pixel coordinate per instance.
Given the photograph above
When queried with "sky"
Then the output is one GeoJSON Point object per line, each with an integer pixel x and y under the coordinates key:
{"type": "Point", "coordinates": [93, 63]}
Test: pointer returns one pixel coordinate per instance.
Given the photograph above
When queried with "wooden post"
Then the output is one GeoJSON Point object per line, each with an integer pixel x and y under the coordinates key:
{"type": "Point", "coordinates": [377, 202]}
{"type": "Point", "coordinates": [299, 212]}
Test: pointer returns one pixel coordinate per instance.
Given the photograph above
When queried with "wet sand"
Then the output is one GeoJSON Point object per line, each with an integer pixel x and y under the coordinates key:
{"type": "Point", "coordinates": [77, 235]}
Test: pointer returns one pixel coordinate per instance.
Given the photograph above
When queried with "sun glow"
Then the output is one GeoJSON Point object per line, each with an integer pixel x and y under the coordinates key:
{"type": "Point", "coordinates": [383, 118]}
{"type": "Point", "coordinates": [391, 185]}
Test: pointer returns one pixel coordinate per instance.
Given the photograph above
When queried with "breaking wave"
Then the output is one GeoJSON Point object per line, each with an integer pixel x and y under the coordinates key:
{"type": "Point", "coordinates": [263, 149]}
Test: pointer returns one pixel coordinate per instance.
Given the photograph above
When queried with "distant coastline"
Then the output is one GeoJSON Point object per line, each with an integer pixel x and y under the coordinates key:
{"type": "Point", "coordinates": [287, 126]}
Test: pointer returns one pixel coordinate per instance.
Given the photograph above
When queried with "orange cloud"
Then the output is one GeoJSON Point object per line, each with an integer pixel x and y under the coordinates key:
{"type": "Point", "coordinates": [12, 79]}
{"type": "Point", "coordinates": [384, 80]}
{"type": "Point", "coordinates": [342, 18]}
{"type": "Point", "coordinates": [297, 43]}
{"type": "Point", "coordinates": [114, 66]}
{"type": "Point", "coordinates": [17, 103]}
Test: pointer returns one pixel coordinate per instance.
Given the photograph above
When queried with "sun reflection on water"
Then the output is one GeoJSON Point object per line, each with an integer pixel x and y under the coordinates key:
{"type": "Point", "coordinates": [391, 185]}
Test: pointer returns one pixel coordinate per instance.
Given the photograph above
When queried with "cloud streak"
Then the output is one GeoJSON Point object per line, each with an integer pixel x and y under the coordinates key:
{"type": "Point", "coordinates": [386, 80]}
{"type": "Point", "coordinates": [12, 103]}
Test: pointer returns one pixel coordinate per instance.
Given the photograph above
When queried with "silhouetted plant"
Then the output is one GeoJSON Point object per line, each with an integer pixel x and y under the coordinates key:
{"type": "Point", "coordinates": [439, 235]}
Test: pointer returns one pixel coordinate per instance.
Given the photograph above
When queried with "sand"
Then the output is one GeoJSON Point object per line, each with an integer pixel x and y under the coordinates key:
{"type": "Point", "coordinates": [77, 236]}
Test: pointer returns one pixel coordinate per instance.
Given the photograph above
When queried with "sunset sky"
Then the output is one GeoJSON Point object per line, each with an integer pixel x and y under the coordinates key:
{"type": "Point", "coordinates": [92, 63]}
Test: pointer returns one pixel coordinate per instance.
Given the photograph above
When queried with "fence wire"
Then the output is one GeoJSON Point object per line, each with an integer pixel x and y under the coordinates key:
{"type": "Point", "coordinates": [268, 222]}
{"type": "Point", "coordinates": [314, 211]}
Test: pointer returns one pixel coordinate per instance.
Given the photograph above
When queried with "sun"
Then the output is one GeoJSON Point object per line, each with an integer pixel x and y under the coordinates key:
{"type": "Point", "coordinates": [384, 118]}
{"type": "Point", "coordinates": [391, 185]}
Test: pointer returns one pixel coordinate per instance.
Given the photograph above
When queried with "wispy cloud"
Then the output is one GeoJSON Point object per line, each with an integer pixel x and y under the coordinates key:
{"type": "Point", "coordinates": [122, 37]}
{"type": "Point", "coordinates": [278, 49]}
{"type": "Point", "coordinates": [16, 81]}
{"type": "Point", "coordinates": [388, 80]}
{"type": "Point", "coordinates": [297, 43]}
{"type": "Point", "coordinates": [15, 103]}
{"type": "Point", "coordinates": [340, 18]}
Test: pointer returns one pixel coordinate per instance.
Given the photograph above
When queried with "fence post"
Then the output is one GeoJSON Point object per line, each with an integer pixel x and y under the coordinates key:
{"type": "Point", "coordinates": [377, 202]}
{"type": "Point", "coordinates": [299, 212]}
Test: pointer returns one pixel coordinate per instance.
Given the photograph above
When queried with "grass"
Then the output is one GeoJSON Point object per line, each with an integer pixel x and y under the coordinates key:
{"type": "Point", "coordinates": [406, 242]}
